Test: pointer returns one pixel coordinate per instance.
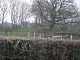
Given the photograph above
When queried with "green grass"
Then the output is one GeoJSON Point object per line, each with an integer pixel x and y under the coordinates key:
{"type": "Point", "coordinates": [15, 31]}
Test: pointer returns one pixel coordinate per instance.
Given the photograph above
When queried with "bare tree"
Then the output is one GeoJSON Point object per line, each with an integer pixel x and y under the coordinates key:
{"type": "Point", "coordinates": [24, 13]}
{"type": "Point", "coordinates": [19, 12]}
{"type": "Point", "coordinates": [14, 11]}
{"type": "Point", "coordinates": [54, 11]}
{"type": "Point", "coordinates": [3, 8]}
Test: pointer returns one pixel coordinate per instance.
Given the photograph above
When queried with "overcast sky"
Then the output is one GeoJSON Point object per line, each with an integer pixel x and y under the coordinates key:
{"type": "Point", "coordinates": [77, 3]}
{"type": "Point", "coordinates": [30, 2]}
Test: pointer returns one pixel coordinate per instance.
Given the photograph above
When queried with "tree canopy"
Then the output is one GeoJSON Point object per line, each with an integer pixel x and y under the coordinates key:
{"type": "Point", "coordinates": [54, 12]}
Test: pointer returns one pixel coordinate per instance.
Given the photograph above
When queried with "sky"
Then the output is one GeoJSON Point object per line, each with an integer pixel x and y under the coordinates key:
{"type": "Point", "coordinates": [27, 1]}
{"type": "Point", "coordinates": [77, 3]}
{"type": "Point", "coordinates": [31, 19]}
{"type": "Point", "coordinates": [30, 1]}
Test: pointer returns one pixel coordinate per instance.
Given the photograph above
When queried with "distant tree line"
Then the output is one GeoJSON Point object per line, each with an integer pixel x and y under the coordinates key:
{"type": "Point", "coordinates": [15, 12]}
{"type": "Point", "coordinates": [52, 15]}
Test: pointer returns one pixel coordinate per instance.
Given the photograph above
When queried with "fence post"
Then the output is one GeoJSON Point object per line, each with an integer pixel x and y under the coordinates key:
{"type": "Point", "coordinates": [40, 35]}
{"type": "Point", "coordinates": [71, 37]}
{"type": "Point", "coordinates": [61, 37]}
{"type": "Point", "coordinates": [28, 35]}
{"type": "Point", "coordinates": [34, 35]}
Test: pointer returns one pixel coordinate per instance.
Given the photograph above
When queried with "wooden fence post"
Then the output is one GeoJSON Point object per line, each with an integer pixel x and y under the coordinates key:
{"type": "Point", "coordinates": [71, 37]}
{"type": "Point", "coordinates": [28, 35]}
{"type": "Point", "coordinates": [34, 35]}
{"type": "Point", "coordinates": [61, 37]}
